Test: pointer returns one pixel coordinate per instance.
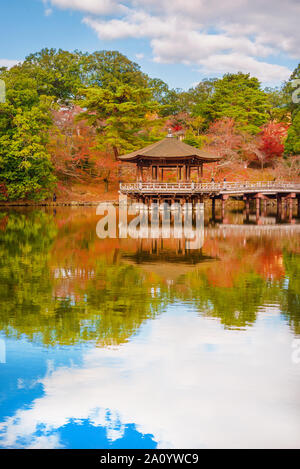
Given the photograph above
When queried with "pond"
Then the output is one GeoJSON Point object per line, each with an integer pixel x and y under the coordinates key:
{"type": "Point", "coordinates": [130, 343]}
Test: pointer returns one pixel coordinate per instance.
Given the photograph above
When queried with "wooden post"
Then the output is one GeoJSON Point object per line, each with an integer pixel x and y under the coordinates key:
{"type": "Point", "coordinates": [223, 207]}
{"type": "Point", "coordinates": [247, 203]}
{"type": "Point", "coordinates": [284, 208]}
{"type": "Point", "coordinates": [257, 207]}
{"type": "Point", "coordinates": [279, 206]}
{"type": "Point", "coordinates": [290, 209]}
{"type": "Point", "coordinates": [188, 173]}
{"type": "Point", "coordinates": [172, 204]}
{"type": "Point", "coordinates": [265, 206]}
{"type": "Point", "coordinates": [213, 208]}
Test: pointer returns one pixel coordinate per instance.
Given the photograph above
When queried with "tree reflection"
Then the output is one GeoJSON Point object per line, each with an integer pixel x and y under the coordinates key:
{"type": "Point", "coordinates": [111, 306]}
{"type": "Point", "coordinates": [290, 298]}
{"type": "Point", "coordinates": [25, 283]}
{"type": "Point", "coordinates": [60, 284]}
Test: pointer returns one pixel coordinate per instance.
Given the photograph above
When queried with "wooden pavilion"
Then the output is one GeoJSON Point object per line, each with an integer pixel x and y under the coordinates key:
{"type": "Point", "coordinates": [169, 154]}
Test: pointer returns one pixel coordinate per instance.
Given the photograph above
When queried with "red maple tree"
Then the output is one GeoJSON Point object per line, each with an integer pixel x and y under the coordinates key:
{"type": "Point", "coordinates": [273, 135]}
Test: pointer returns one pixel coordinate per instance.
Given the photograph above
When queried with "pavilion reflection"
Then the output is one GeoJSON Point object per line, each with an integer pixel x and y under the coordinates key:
{"type": "Point", "coordinates": [184, 226]}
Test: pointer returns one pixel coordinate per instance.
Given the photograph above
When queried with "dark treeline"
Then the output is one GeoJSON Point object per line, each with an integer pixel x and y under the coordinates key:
{"type": "Point", "coordinates": [68, 115]}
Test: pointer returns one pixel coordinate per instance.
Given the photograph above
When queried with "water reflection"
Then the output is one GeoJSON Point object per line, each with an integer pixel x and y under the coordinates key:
{"type": "Point", "coordinates": [138, 343]}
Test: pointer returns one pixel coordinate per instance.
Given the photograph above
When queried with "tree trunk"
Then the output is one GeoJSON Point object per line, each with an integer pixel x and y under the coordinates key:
{"type": "Point", "coordinates": [116, 153]}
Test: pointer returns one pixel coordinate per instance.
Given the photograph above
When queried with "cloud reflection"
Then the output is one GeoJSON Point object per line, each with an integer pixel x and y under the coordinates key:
{"type": "Point", "coordinates": [182, 379]}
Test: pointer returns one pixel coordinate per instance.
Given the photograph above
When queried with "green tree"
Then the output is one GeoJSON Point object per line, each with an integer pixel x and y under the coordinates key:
{"type": "Point", "coordinates": [104, 68]}
{"type": "Point", "coordinates": [279, 104]}
{"type": "Point", "coordinates": [61, 74]}
{"type": "Point", "coordinates": [57, 73]}
{"type": "Point", "coordinates": [198, 99]}
{"type": "Point", "coordinates": [292, 143]}
{"type": "Point", "coordinates": [172, 101]}
{"type": "Point", "coordinates": [119, 115]}
{"type": "Point", "coordinates": [291, 88]}
{"type": "Point", "coordinates": [238, 96]}
{"type": "Point", "coordinates": [25, 165]}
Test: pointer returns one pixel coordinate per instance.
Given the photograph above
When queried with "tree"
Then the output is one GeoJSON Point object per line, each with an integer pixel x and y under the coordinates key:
{"type": "Point", "coordinates": [273, 135]}
{"type": "Point", "coordinates": [198, 99]}
{"type": "Point", "coordinates": [58, 73]}
{"type": "Point", "coordinates": [239, 97]}
{"type": "Point", "coordinates": [61, 74]}
{"type": "Point", "coordinates": [118, 115]}
{"type": "Point", "coordinates": [105, 68]}
{"type": "Point", "coordinates": [291, 90]}
{"type": "Point", "coordinates": [72, 147]}
{"type": "Point", "coordinates": [279, 104]}
{"type": "Point", "coordinates": [26, 170]}
{"type": "Point", "coordinates": [225, 139]}
{"type": "Point", "coordinates": [169, 99]}
{"type": "Point", "coordinates": [292, 144]}
{"type": "Point", "coordinates": [70, 144]}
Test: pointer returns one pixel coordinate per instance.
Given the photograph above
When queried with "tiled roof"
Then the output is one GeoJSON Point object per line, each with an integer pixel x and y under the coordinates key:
{"type": "Point", "coordinates": [170, 147]}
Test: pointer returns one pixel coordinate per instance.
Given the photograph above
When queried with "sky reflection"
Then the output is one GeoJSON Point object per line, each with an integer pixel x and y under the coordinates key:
{"type": "Point", "coordinates": [182, 381]}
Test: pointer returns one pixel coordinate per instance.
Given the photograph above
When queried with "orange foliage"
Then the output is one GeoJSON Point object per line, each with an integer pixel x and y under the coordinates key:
{"type": "Point", "coordinates": [73, 146]}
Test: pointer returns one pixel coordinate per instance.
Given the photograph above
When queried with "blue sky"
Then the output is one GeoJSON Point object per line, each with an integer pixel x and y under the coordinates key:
{"type": "Point", "coordinates": [181, 41]}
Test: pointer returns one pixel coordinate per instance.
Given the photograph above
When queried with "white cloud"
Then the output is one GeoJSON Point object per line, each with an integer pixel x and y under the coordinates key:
{"type": "Point", "coordinates": [183, 379]}
{"type": "Point", "coordinates": [139, 56]}
{"type": "Point", "coordinates": [8, 63]}
{"type": "Point", "coordinates": [266, 72]}
{"type": "Point", "coordinates": [98, 7]}
{"type": "Point", "coordinates": [190, 32]}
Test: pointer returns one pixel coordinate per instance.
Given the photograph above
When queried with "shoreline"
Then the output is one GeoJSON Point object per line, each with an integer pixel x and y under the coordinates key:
{"type": "Point", "coordinates": [85, 204]}
{"type": "Point", "coordinates": [57, 204]}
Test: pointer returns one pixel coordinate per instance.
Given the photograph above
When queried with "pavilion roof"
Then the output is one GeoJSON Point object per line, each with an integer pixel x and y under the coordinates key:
{"type": "Point", "coordinates": [170, 148]}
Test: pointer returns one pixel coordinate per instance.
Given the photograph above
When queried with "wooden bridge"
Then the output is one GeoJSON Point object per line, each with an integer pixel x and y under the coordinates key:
{"type": "Point", "coordinates": [285, 193]}
{"type": "Point", "coordinates": [211, 189]}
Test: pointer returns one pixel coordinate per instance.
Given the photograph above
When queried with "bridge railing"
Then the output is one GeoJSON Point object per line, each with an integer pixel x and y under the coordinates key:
{"type": "Point", "coordinates": [209, 186]}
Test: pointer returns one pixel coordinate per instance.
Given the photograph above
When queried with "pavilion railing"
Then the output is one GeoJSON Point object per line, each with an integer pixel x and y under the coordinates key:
{"type": "Point", "coordinates": [210, 187]}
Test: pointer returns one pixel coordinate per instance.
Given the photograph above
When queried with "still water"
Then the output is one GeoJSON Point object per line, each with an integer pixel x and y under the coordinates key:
{"type": "Point", "coordinates": [124, 343]}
